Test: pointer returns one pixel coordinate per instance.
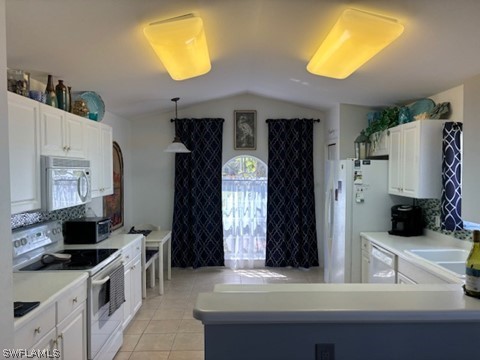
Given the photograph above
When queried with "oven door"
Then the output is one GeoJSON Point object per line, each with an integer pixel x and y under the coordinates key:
{"type": "Point", "coordinates": [103, 326]}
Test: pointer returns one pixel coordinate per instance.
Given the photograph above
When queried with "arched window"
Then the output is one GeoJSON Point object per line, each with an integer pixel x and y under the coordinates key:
{"type": "Point", "coordinates": [244, 206]}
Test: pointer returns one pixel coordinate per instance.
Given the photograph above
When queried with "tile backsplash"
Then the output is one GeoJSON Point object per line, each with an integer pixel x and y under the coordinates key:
{"type": "Point", "coordinates": [431, 209]}
{"type": "Point", "coordinates": [30, 218]}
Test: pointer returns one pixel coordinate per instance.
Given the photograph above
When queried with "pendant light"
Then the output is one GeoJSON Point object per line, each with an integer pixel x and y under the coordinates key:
{"type": "Point", "coordinates": [176, 146]}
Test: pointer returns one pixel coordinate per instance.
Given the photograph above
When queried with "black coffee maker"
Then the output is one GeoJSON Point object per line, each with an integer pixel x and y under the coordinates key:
{"type": "Point", "coordinates": [407, 220]}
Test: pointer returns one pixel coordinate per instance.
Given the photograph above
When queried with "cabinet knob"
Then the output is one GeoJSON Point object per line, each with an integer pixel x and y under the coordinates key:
{"type": "Point", "coordinates": [75, 299]}
{"type": "Point", "coordinates": [65, 148]}
{"type": "Point", "coordinates": [37, 330]}
{"type": "Point", "coordinates": [69, 148]}
{"type": "Point", "coordinates": [60, 337]}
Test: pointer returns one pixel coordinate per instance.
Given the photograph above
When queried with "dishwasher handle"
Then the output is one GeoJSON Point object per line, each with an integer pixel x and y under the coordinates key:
{"type": "Point", "coordinates": [385, 257]}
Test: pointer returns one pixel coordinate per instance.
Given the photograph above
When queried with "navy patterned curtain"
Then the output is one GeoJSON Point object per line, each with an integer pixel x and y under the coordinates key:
{"type": "Point", "coordinates": [197, 231]}
{"type": "Point", "coordinates": [451, 203]}
{"type": "Point", "coordinates": [291, 230]}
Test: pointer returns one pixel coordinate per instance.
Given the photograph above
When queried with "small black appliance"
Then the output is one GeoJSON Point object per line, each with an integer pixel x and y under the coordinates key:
{"type": "Point", "coordinates": [88, 230]}
{"type": "Point", "coordinates": [407, 220]}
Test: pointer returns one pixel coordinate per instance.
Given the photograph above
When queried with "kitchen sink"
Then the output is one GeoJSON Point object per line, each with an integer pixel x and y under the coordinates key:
{"type": "Point", "coordinates": [441, 255]}
{"type": "Point", "coordinates": [457, 267]}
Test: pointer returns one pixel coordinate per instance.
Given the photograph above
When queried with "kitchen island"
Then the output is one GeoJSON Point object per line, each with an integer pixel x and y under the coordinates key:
{"type": "Point", "coordinates": [355, 321]}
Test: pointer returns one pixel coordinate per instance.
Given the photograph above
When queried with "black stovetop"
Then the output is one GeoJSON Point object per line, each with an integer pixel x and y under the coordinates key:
{"type": "Point", "coordinates": [81, 259]}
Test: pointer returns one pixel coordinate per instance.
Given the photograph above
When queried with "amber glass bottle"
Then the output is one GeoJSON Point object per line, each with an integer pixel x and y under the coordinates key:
{"type": "Point", "coordinates": [472, 283]}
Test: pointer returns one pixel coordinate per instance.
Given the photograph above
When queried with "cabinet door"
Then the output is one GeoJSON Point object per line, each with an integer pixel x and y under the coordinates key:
{"type": "Point", "coordinates": [136, 286]}
{"type": "Point", "coordinates": [52, 126]}
{"type": "Point", "coordinates": [127, 305]}
{"type": "Point", "coordinates": [365, 266]}
{"type": "Point", "coordinates": [402, 279]}
{"type": "Point", "coordinates": [107, 160]}
{"type": "Point", "coordinates": [411, 138]}
{"type": "Point", "coordinates": [74, 135]}
{"type": "Point", "coordinates": [47, 345]}
{"type": "Point", "coordinates": [395, 161]}
{"type": "Point", "coordinates": [93, 153]}
{"type": "Point", "coordinates": [24, 149]}
{"type": "Point", "coordinates": [72, 335]}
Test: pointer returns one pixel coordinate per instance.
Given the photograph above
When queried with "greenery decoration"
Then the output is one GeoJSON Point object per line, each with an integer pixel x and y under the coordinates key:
{"type": "Point", "coordinates": [388, 119]}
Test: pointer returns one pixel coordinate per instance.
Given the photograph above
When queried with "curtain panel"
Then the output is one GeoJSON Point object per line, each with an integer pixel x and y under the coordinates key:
{"type": "Point", "coordinates": [451, 202]}
{"type": "Point", "coordinates": [291, 227]}
{"type": "Point", "coordinates": [197, 232]}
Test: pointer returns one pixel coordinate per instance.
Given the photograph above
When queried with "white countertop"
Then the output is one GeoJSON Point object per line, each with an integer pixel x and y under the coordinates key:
{"type": "Point", "coordinates": [117, 241]}
{"type": "Point", "coordinates": [315, 303]}
{"type": "Point", "coordinates": [400, 245]}
{"type": "Point", "coordinates": [43, 286]}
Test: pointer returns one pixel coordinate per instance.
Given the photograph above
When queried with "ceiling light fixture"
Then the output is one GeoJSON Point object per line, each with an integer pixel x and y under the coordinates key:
{"type": "Point", "coordinates": [355, 38]}
{"type": "Point", "coordinates": [181, 45]}
{"type": "Point", "coordinates": [176, 146]}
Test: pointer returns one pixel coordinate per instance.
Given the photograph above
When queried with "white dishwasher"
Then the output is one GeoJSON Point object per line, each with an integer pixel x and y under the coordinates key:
{"type": "Point", "coordinates": [383, 266]}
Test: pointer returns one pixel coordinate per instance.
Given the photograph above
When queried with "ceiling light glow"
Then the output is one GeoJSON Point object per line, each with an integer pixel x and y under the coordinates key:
{"type": "Point", "coordinates": [355, 38]}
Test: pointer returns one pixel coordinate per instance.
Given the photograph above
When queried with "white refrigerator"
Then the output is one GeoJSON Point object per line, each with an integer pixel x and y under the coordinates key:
{"type": "Point", "coordinates": [357, 200]}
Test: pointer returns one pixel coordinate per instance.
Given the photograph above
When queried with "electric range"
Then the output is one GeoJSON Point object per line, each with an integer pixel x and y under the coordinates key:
{"type": "Point", "coordinates": [40, 247]}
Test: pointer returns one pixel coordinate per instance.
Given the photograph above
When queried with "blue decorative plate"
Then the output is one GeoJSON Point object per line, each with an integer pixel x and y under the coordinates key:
{"type": "Point", "coordinates": [95, 104]}
{"type": "Point", "coordinates": [418, 108]}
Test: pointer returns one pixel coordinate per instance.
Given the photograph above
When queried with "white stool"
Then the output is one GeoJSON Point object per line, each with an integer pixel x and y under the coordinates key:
{"type": "Point", "coordinates": [150, 256]}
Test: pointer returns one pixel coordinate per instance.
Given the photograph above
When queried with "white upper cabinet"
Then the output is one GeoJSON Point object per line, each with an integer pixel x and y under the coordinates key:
{"type": "Point", "coordinates": [415, 159]}
{"type": "Point", "coordinates": [62, 133]}
{"type": "Point", "coordinates": [99, 152]}
{"type": "Point", "coordinates": [24, 145]}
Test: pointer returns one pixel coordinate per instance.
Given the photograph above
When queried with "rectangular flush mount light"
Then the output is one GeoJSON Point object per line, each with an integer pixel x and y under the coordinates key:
{"type": "Point", "coordinates": [181, 45]}
{"type": "Point", "coordinates": [355, 38]}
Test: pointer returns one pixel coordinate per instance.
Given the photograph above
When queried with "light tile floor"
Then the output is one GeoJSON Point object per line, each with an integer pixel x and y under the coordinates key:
{"type": "Point", "coordinates": [164, 327]}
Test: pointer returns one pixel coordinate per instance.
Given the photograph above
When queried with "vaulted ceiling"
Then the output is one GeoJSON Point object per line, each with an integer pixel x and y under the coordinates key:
{"type": "Point", "coordinates": [256, 46]}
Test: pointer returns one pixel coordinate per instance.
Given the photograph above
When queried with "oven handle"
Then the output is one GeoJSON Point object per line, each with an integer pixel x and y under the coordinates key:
{"type": "Point", "coordinates": [100, 282]}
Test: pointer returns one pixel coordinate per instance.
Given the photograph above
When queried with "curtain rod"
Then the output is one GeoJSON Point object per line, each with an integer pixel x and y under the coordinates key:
{"type": "Point", "coordinates": [223, 120]}
{"type": "Point", "coordinates": [314, 120]}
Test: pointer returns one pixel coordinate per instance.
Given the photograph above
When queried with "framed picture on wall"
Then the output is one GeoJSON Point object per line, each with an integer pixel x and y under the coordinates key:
{"type": "Point", "coordinates": [245, 129]}
{"type": "Point", "coordinates": [113, 204]}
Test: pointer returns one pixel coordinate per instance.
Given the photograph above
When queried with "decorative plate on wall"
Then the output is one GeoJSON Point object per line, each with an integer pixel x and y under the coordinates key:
{"type": "Point", "coordinates": [420, 109]}
{"type": "Point", "coordinates": [94, 102]}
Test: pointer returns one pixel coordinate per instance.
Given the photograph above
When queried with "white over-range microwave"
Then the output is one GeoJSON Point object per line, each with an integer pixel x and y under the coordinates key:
{"type": "Point", "coordinates": [65, 182]}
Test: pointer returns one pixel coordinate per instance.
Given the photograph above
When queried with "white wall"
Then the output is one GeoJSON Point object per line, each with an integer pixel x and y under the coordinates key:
{"type": "Point", "coordinates": [122, 133]}
{"type": "Point", "coordinates": [455, 97]}
{"type": "Point", "coordinates": [6, 299]}
{"type": "Point", "coordinates": [153, 169]}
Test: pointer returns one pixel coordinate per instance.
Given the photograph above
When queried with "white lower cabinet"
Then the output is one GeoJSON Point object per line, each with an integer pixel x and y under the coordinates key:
{"type": "Point", "coordinates": [60, 329]}
{"type": "Point", "coordinates": [402, 279]}
{"type": "Point", "coordinates": [133, 280]}
{"type": "Point", "coordinates": [71, 335]}
{"type": "Point", "coordinates": [414, 274]}
{"type": "Point", "coordinates": [365, 260]}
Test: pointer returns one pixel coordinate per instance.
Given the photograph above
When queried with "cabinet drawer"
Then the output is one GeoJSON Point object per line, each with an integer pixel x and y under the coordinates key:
{"type": "Point", "coordinates": [417, 274]}
{"type": "Point", "coordinates": [70, 300]}
{"type": "Point", "coordinates": [131, 251]}
{"type": "Point", "coordinates": [136, 248]}
{"type": "Point", "coordinates": [35, 329]}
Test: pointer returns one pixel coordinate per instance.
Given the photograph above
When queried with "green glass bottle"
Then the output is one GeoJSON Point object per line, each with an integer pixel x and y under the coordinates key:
{"type": "Point", "coordinates": [472, 283]}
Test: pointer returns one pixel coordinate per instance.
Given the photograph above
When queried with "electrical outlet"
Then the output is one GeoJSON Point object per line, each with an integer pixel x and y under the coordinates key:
{"type": "Point", "coordinates": [325, 352]}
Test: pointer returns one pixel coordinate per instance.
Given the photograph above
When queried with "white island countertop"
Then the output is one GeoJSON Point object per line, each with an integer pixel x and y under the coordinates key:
{"type": "Point", "coordinates": [338, 303]}
{"type": "Point", "coordinates": [43, 286]}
